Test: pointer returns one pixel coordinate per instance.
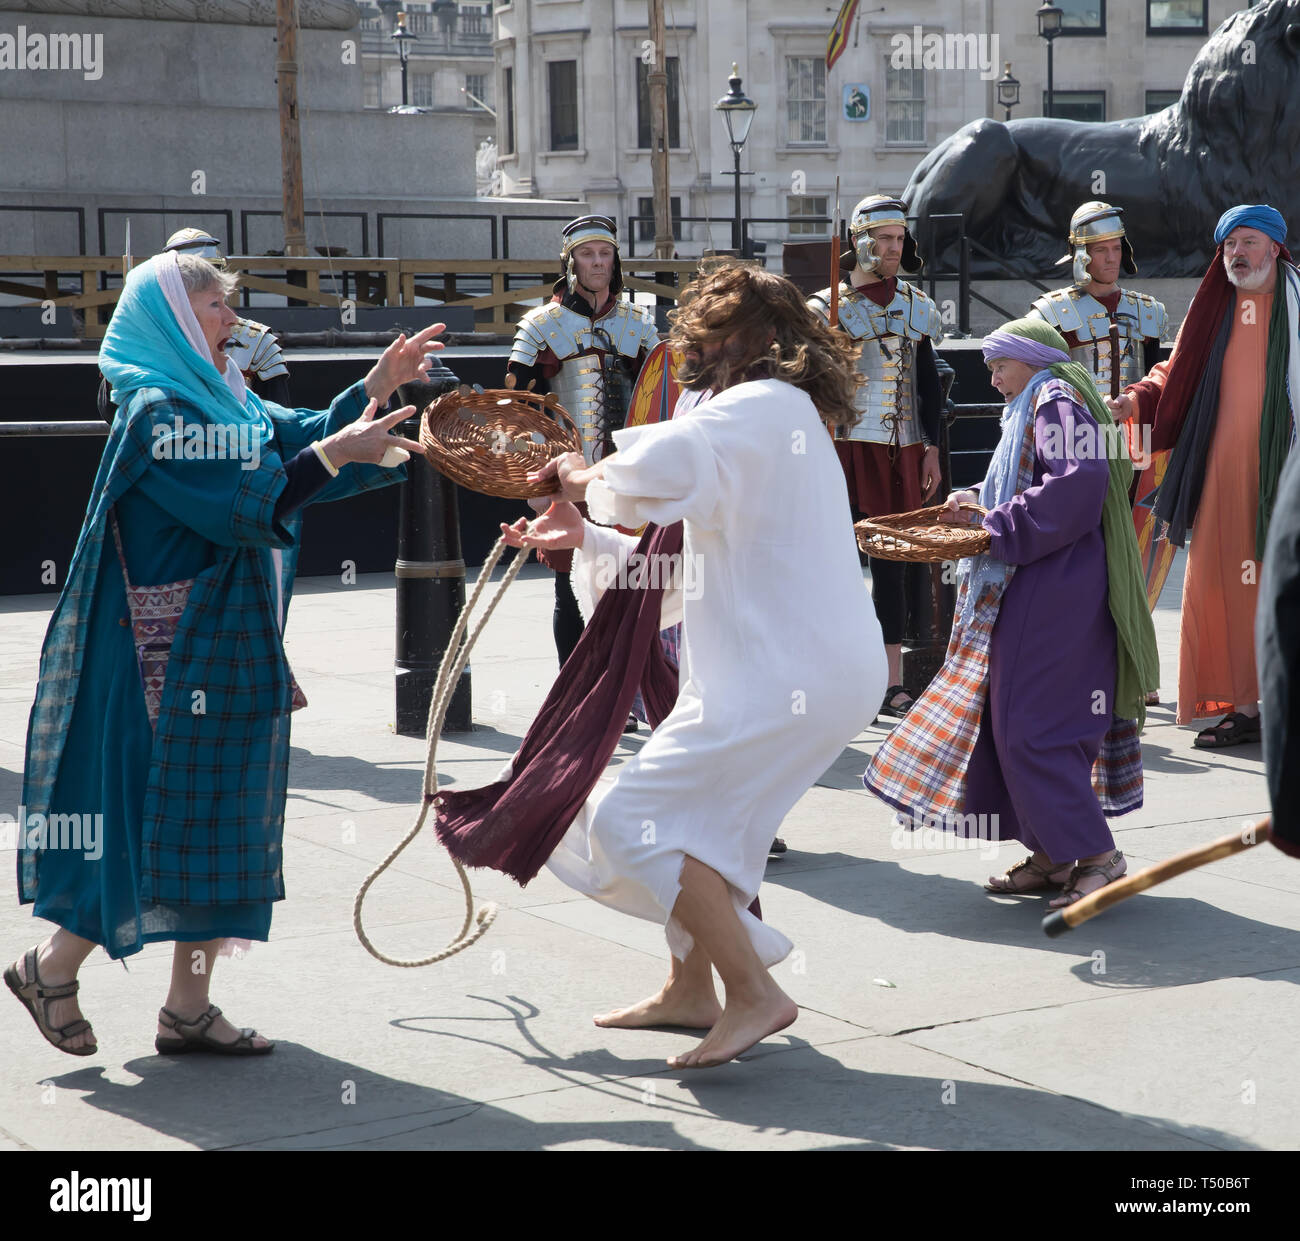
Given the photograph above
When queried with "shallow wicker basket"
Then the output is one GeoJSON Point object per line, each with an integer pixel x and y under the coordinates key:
{"type": "Point", "coordinates": [920, 537]}
{"type": "Point", "coordinates": [490, 441]}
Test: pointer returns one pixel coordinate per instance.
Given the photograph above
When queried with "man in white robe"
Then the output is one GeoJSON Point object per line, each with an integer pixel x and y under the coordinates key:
{"type": "Point", "coordinates": [782, 665]}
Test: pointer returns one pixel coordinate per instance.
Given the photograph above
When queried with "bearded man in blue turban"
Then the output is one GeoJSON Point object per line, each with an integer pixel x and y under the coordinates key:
{"type": "Point", "coordinates": [1225, 403]}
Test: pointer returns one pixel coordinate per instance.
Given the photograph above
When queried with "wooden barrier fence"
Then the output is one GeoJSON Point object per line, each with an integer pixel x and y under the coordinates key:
{"type": "Point", "coordinates": [363, 282]}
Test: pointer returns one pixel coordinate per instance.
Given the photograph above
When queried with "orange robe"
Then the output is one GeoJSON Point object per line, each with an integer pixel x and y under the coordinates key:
{"type": "Point", "coordinates": [1216, 651]}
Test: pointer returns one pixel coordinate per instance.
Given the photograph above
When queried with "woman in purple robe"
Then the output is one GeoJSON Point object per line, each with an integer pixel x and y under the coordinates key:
{"type": "Point", "coordinates": [1030, 731]}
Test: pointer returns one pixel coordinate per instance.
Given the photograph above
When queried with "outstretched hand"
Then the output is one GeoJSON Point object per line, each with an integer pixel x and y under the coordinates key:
{"type": "Point", "coordinates": [558, 528]}
{"type": "Point", "coordinates": [368, 439]}
{"type": "Point", "coordinates": [406, 360]}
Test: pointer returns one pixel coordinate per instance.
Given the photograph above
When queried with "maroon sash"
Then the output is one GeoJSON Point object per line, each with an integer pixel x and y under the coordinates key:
{"type": "Point", "coordinates": [514, 825]}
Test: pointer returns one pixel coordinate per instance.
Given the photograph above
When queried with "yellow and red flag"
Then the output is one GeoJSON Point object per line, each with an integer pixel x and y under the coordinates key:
{"type": "Point", "coordinates": [838, 39]}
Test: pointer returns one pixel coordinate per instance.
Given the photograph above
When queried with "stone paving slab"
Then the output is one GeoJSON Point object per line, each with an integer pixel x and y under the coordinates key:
{"type": "Point", "coordinates": [991, 1037]}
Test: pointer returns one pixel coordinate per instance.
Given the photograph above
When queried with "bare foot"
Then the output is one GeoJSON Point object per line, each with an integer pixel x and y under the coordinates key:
{"type": "Point", "coordinates": [62, 1013]}
{"type": "Point", "coordinates": [742, 1024]}
{"type": "Point", "coordinates": [693, 1012]}
{"type": "Point", "coordinates": [220, 1030]}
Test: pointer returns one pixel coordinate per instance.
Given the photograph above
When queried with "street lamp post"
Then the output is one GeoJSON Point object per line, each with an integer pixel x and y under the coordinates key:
{"type": "Point", "coordinates": [403, 38]}
{"type": "Point", "coordinates": [1049, 26]}
{"type": "Point", "coordinates": [738, 112]}
{"type": "Point", "coordinates": [1008, 90]}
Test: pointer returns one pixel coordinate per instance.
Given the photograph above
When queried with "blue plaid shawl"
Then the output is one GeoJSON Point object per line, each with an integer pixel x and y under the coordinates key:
{"type": "Point", "coordinates": [214, 805]}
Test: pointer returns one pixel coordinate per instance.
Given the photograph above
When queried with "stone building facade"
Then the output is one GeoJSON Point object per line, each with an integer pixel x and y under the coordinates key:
{"type": "Point", "coordinates": [450, 61]}
{"type": "Point", "coordinates": [572, 114]}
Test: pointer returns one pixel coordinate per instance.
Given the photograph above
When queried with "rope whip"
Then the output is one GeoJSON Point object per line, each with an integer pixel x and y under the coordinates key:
{"type": "Point", "coordinates": [453, 664]}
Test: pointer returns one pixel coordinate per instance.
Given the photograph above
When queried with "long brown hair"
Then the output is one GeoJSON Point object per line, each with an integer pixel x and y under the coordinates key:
{"type": "Point", "coordinates": [765, 332]}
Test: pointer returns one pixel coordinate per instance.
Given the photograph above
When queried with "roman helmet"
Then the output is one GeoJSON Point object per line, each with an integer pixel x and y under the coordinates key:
{"type": "Point", "coordinates": [1096, 221]}
{"type": "Point", "coordinates": [869, 214]}
{"type": "Point", "coordinates": [588, 228]}
{"type": "Point", "coordinates": [197, 242]}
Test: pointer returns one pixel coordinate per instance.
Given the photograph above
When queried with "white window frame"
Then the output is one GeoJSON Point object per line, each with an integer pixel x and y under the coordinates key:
{"type": "Point", "coordinates": [791, 126]}
{"type": "Point", "coordinates": [887, 101]}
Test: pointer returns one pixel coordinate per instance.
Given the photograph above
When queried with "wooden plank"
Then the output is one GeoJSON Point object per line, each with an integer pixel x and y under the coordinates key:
{"type": "Point", "coordinates": [22, 290]}
{"type": "Point", "coordinates": [507, 297]}
{"type": "Point", "coordinates": [94, 324]}
{"type": "Point", "coordinates": [82, 301]}
{"type": "Point", "coordinates": [295, 291]}
{"type": "Point", "coordinates": [651, 286]}
{"type": "Point", "coordinates": [61, 263]}
{"type": "Point", "coordinates": [274, 262]}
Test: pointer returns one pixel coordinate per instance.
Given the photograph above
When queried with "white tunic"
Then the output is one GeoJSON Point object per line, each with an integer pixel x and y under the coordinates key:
{"type": "Point", "coordinates": [782, 661]}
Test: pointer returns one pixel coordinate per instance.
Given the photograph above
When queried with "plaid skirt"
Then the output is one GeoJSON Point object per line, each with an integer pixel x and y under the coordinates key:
{"type": "Point", "coordinates": [921, 766]}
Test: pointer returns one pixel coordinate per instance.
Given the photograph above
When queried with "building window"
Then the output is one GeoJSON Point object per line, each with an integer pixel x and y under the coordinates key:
{"type": "Point", "coordinates": [1177, 17]}
{"type": "Point", "coordinates": [421, 92]}
{"type": "Point", "coordinates": [562, 78]}
{"type": "Point", "coordinates": [643, 104]}
{"type": "Point", "coordinates": [805, 99]}
{"type": "Point", "coordinates": [645, 228]}
{"type": "Point", "coordinates": [474, 20]}
{"type": "Point", "coordinates": [904, 105]}
{"type": "Point", "coordinates": [374, 86]}
{"type": "Point", "coordinates": [798, 206]}
{"type": "Point", "coordinates": [508, 91]}
{"type": "Point", "coordinates": [419, 19]}
{"type": "Point", "coordinates": [1085, 17]}
{"type": "Point", "coordinates": [372, 19]}
{"type": "Point", "coordinates": [476, 84]}
{"type": "Point", "coordinates": [1077, 105]}
{"type": "Point", "coordinates": [1157, 100]}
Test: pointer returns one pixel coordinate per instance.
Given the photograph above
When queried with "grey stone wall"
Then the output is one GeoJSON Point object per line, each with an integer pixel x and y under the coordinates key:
{"type": "Point", "coordinates": [173, 99]}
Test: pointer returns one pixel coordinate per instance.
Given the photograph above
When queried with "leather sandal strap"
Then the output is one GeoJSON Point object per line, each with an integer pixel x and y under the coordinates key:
{"type": "Point", "coordinates": [71, 1030]}
{"type": "Point", "coordinates": [200, 1023]}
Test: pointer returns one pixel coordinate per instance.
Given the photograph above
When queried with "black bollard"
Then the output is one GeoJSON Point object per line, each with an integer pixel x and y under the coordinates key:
{"type": "Point", "coordinates": [430, 575]}
{"type": "Point", "coordinates": [931, 588]}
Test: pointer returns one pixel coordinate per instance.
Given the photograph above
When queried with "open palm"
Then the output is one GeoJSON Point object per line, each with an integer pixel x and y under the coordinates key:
{"type": "Point", "coordinates": [558, 528]}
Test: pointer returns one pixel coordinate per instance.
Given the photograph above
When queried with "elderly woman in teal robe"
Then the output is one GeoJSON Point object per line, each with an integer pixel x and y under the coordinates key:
{"type": "Point", "coordinates": [165, 822]}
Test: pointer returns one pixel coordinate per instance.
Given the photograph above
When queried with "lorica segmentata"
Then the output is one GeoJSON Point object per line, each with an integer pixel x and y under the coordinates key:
{"type": "Point", "coordinates": [890, 336]}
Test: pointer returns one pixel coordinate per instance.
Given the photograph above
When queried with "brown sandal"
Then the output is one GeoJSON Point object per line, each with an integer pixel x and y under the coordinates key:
{"type": "Point", "coordinates": [31, 991]}
{"type": "Point", "coordinates": [1042, 874]}
{"type": "Point", "coordinates": [194, 1036]}
{"type": "Point", "coordinates": [1115, 867]}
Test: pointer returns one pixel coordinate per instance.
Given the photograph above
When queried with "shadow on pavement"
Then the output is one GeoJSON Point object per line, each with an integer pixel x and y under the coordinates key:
{"type": "Point", "coordinates": [300, 1099]}
{"type": "Point", "coordinates": [1145, 940]}
{"type": "Point", "coordinates": [396, 781]}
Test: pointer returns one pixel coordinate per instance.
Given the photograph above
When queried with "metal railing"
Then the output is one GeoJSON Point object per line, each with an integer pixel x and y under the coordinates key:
{"type": "Point", "coordinates": [965, 245]}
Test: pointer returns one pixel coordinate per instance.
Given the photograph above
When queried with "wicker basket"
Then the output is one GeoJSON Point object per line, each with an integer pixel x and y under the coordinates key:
{"type": "Point", "coordinates": [490, 441]}
{"type": "Point", "coordinates": [920, 537]}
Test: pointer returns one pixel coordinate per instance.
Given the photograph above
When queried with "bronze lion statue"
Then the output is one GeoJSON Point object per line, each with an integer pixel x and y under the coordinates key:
{"type": "Point", "coordinates": [1232, 137]}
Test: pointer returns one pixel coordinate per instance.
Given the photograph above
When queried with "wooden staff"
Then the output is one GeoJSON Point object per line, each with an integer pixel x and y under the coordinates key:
{"type": "Point", "coordinates": [1061, 920]}
{"type": "Point", "coordinates": [835, 260]}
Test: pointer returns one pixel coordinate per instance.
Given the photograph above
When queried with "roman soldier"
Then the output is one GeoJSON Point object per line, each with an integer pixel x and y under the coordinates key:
{"type": "Point", "coordinates": [253, 346]}
{"type": "Point", "coordinates": [891, 457]}
{"type": "Point", "coordinates": [1114, 332]}
{"type": "Point", "coordinates": [587, 343]}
